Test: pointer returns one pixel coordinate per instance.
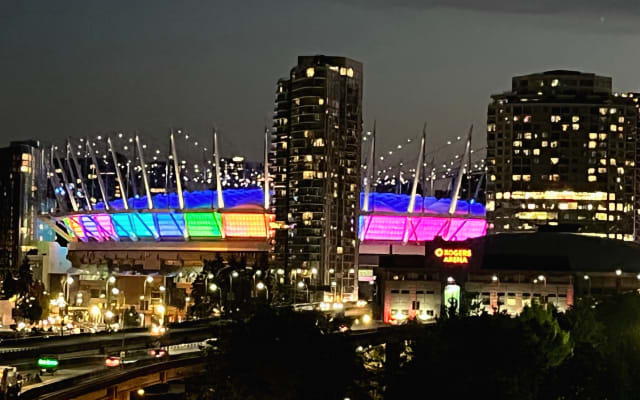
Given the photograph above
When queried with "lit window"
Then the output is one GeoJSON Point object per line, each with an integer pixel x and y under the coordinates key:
{"type": "Point", "coordinates": [307, 216]}
{"type": "Point", "coordinates": [319, 142]}
{"type": "Point", "coordinates": [527, 118]}
{"type": "Point", "coordinates": [592, 145]}
{"type": "Point", "coordinates": [307, 174]}
{"type": "Point", "coordinates": [613, 110]}
{"type": "Point", "coordinates": [321, 101]}
{"type": "Point", "coordinates": [491, 127]}
{"type": "Point", "coordinates": [591, 171]}
{"type": "Point", "coordinates": [554, 144]}
{"type": "Point", "coordinates": [544, 143]}
{"type": "Point", "coordinates": [602, 136]}
{"type": "Point", "coordinates": [565, 127]}
{"type": "Point", "coordinates": [593, 136]}
{"type": "Point", "coordinates": [343, 71]}
{"type": "Point", "coordinates": [612, 161]}
{"type": "Point", "coordinates": [308, 158]}
{"type": "Point", "coordinates": [350, 72]}
{"type": "Point", "coordinates": [601, 216]}
{"type": "Point", "coordinates": [536, 152]}
{"type": "Point", "coordinates": [527, 135]}
{"type": "Point", "coordinates": [575, 118]}
{"type": "Point", "coordinates": [603, 111]}
{"type": "Point", "coordinates": [575, 127]}
{"type": "Point", "coordinates": [310, 72]}
{"type": "Point", "coordinates": [517, 143]}
{"type": "Point", "coordinates": [526, 178]}
{"type": "Point", "coordinates": [555, 118]}
{"type": "Point", "coordinates": [516, 177]}
{"type": "Point", "coordinates": [555, 83]}
{"type": "Point", "coordinates": [620, 119]}
{"type": "Point", "coordinates": [592, 178]}
{"type": "Point", "coordinates": [613, 127]}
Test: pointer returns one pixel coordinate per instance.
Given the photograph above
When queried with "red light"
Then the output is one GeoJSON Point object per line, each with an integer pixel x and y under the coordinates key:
{"type": "Point", "coordinates": [112, 362]}
{"type": "Point", "coordinates": [152, 353]}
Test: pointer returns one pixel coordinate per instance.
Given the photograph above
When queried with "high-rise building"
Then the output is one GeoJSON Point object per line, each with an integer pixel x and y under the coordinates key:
{"type": "Point", "coordinates": [561, 156]}
{"type": "Point", "coordinates": [315, 168]}
{"type": "Point", "coordinates": [23, 196]}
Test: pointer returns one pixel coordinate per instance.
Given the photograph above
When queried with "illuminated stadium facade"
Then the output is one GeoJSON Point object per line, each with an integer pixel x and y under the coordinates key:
{"type": "Point", "coordinates": [172, 232]}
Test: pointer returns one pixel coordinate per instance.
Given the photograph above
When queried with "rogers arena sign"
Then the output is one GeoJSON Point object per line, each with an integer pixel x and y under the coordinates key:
{"type": "Point", "coordinates": [453, 256]}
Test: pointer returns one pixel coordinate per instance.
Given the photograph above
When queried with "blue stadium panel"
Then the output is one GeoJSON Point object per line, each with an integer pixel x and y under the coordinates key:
{"type": "Point", "coordinates": [170, 225]}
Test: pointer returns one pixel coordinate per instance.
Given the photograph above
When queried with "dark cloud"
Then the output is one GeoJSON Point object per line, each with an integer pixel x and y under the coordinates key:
{"type": "Point", "coordinates": [595, 7]}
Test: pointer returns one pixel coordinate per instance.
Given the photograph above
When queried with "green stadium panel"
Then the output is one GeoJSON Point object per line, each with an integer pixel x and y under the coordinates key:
{"type": "Point", "coordinates": [203, 224]}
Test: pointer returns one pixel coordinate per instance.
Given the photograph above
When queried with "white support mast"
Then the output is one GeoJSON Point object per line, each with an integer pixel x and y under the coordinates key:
{"type": "Point", "coordinates": [79, 179]}
{"type": "Point", "coordinates": [416, 178]}
{"type": "Point", "coordinates": [267, 195]}
{"type": "Point", "coordinates": [216, 159]}
{"type": "Point", "coordinates": [370, 175]}
{"type": "Point", "coordinates": [145, 178]}
{"type": "Point", "coordinates": [455, 193]}
{"type": "Point", "coordinates": [176, 166]}
{"type": "Point", "coordinates": [123, 192]}
{"type": "Point", "coordinates": [103, 190]}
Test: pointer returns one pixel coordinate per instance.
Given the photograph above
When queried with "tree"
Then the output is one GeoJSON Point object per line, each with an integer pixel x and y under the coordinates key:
{"type": "Point", "coordinates": [281, 355]}
{"type": "Point", "coordinates": [486, 356]}
{"type": "Point", "coordinates": [131, 318]}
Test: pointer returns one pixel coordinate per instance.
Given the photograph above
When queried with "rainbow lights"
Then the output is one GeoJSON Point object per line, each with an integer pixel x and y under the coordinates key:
{"type": "Point", "coordinates": [419, 228]}
{"type": "Point", "coordinates": [164, 225]}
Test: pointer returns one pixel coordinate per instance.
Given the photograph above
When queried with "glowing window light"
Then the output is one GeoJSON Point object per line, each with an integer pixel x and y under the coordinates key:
{"type": "Point", "coordinates": [90, 227]}
{"type": "Point", "coordinates": [384, 227]}
{"type": "Point", "coordinates": [75, 227]}
{"type": "Point", "coordinates": [170, 224]}
{"type": "Point", "coordinates": [203, 224]}
{"type": "Point", "coordinates": [143, 224]}
{"type": "Point", "coordinates": [244, 225]}
{"type": "Point", "coordinates": [420, 229]}
{"type": "Point", "coordinates": [104, 220]}
{"type": "Point", "coordinates": [122, 225]}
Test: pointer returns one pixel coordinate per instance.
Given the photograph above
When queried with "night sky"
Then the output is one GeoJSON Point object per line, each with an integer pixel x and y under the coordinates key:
{"type": "Point", "coordinates": [76, 68]}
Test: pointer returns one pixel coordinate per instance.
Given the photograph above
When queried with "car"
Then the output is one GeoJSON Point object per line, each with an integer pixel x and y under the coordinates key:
{"type": "Point", "coordinates": [208, 344]}
{"type": "Point", "coordinates": [112, 361]}
{"type": "Point", "coordinates": [158, 353]}
{"type": "Point", "coordinates": [158, 330]}
{"type": "Point", "coordinates": [48, 363]}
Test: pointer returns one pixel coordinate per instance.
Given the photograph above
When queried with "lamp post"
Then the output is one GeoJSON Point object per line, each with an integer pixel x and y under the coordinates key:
{"type": "Point", "coordinates": [233, 274]}
{"type": "Point", "coordinates": [261, 286]}
{"type": "Point", "coordinates": [301, 285]}
{"type": "Point", "coordinates": [588, 279]}
{"type": "Point", "coordinates": [212, 288]}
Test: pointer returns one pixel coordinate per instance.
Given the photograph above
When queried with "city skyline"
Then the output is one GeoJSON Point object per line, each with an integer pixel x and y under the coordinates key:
{"type": "Point", "coordinates": [182, 66]}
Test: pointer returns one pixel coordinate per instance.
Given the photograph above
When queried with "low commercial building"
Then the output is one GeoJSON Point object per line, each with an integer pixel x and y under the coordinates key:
{"type": "Point", "coordinates": [502, 273]}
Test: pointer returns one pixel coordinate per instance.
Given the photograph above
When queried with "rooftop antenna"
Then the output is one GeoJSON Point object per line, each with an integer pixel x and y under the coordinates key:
{"type": "Point", "coordinates": [456, 188]}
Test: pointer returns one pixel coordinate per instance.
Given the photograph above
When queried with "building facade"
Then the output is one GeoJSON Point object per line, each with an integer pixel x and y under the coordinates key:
{"type": "Point", "coordinates": [561, 156]}
{"type": "Point", "coordinates": [23, 196]}
{"type": "Point", "coordinates": [315, 168]}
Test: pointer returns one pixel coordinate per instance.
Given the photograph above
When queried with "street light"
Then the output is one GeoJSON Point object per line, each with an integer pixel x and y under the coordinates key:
{"type": "Point", "coordinates": [494, 278]}
{"type": "Point", "coordinates": [618, 272]}
{"type": "Point", "coordinates": [261, 286]}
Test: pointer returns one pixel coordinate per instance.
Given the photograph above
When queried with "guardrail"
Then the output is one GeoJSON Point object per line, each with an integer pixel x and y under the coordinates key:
{"type": "Point", "coordinates": [86, 383]}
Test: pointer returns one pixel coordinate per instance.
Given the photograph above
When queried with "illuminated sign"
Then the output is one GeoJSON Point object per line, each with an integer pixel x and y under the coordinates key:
{"type": "Point", "coordinates": [453, 256]}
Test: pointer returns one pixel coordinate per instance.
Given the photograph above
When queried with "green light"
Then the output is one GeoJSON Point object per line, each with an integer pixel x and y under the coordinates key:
{"type": "Point", "coordinates": [452, 296]}
{"type": "Point", "coordinates": [47, 362]}
{"type": "Point", "coordinates": [203, 224]}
